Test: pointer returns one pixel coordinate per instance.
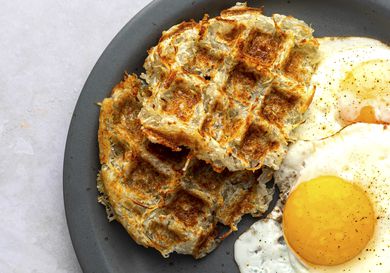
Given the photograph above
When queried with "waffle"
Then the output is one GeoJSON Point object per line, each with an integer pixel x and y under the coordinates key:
{"type": "Point", "coordinates": [166, 199]}
{"type": "Point", "coordinates": [230, 88]}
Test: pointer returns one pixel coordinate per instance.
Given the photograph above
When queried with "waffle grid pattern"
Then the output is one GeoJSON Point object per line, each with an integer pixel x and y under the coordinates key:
{"type": "Point", "coordinates": [230, 88]}
{"type": "Point", "coordinates": [165, 199]}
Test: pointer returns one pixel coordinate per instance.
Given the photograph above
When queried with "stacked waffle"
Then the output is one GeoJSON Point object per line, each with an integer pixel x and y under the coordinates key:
{"type": "Point", "coordinates": [183, 152]}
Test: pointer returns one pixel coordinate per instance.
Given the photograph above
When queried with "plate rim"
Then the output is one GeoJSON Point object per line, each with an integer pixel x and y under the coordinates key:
{"type": "Point", "coordinates": [67, 152]}
{"type": "Point", "coordinates": [67, 156]}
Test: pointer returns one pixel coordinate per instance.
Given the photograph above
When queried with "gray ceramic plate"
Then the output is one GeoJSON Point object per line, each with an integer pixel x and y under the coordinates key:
{"type": "Point", "coordinates": [105, 247]}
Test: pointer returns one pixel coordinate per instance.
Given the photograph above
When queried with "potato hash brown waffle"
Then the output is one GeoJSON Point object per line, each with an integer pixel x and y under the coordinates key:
{"type": "Point", "coordinates": [230, 88]}
{"type": "Point", "coordinates": [165, 199]}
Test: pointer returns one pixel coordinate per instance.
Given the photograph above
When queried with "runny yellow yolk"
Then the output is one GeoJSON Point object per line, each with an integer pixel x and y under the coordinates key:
{"type": "Point", "coordinates": [328, 220]}
{"type": "Point", "coordinates": [367, 81]}
{"type": "Point", "coordinates": [367, 115]}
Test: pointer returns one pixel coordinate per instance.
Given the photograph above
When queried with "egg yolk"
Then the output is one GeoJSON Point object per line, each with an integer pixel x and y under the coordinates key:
{"type": "Point", "coordinates": [328, 220]}
{"type": "Point", "coordinates": [369, 81]}
{"type": "Point", "coordinates": [367, 115]}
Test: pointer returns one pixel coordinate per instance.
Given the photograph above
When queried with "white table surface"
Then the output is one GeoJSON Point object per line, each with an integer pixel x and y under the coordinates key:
{"type": "Point", "coordinates": [47, 49]}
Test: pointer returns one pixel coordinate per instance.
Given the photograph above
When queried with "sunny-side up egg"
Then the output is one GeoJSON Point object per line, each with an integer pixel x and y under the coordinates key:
{"type": "Point", "coordinates": [336, 212]}
{"type": "Point", "coordinates": [352, 84]}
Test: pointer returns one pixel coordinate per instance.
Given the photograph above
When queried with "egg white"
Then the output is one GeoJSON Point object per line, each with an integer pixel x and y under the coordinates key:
{"type": "Point", "coordinates": [338, 56]}
{"type": "Point", "coordinates": [327, 146]}
{"type": "Point", "coordinates": [262, 249]}
{"type": "Point", "coordinates": [360, 153]}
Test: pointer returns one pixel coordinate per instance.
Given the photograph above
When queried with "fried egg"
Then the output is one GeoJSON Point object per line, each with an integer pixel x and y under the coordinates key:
{"type": "Point", "coordinates": [336, 212]}
{"type": "Point", "coordinates": [352, 84]}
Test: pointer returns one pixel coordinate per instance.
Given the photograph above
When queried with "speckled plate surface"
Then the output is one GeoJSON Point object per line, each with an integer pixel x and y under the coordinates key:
{"type": "Point", "coordinates": [104, 247]}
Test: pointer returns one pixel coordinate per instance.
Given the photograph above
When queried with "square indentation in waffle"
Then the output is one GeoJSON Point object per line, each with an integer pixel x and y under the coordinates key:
{"type": "Point", "coordinates": [296, 66]}
{"type": "Point", "coordinates": [258, 142]}
{"type": "Point", "coordinates": [242, 71]}
{"type": "Point", "coordinates": [265, 49]}
{"type": "Point", "coordinates": [278, 104]}
{"type": "Point", "coordinates": [147, 184]}
{"type": "Point", "coordinates": [165, 199]}
{"type": "Point", "coordinates": [186, 222]}
{"type": "Point", "coordinates": [180, 97]}
{"type": "Point", "coordinates": [245, 85]}
{"type": "Point", "coordinates": [205, 63]}
{"type": "Point", "coordinates": [231, 194]}
{"type": "Point", "coordinates": [225, 122]}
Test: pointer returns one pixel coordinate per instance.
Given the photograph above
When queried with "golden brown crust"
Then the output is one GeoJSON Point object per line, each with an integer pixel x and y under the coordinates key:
{"type": "Point", "coordinates": [180, 99]}
{"type": "Point", "coordinates": [262, 48]}
{"type": "Point", "coordinates": [257, 142]}
{"type": "Point", "coordinates": [277, 105]}
{"type": "Point", "coordinates": [165, 199]}
{"type": "Point", "coordinates": [224, 92]}
{"type": "Point", "coordinates": [293, 66]}
{"type": "Point", "coordinates": [229, 68]}
{"type": "Point", "coordinates": [241, 83]}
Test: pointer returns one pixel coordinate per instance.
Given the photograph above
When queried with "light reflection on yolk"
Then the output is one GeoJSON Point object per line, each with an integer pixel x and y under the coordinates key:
{"type": "Point", "coordinates": [328, 221]}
